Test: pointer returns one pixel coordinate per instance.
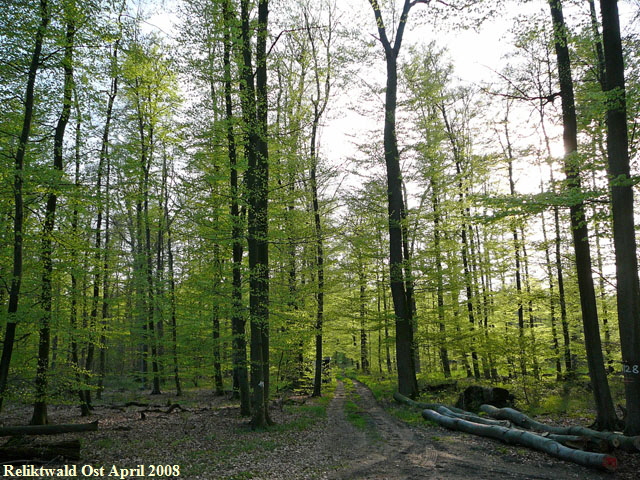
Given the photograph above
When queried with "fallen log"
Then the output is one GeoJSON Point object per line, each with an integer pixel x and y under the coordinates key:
{"type": "Point", "coordinates": [448, 410]}
{"type": "Point", "coordinates": [527, 439]}
{"type": "Point", "coordinates": [175, 406]}
{"type": "Point", "coordinates": [69, 450]}
{"type": "Point", "coordinates": [580, 442]}
{"type": "Point", "coordinates": [616, 440]}
{"type": "Point", "coordinates": [472, 418]}
{"type": "Point", "coordinates": [48, 429]}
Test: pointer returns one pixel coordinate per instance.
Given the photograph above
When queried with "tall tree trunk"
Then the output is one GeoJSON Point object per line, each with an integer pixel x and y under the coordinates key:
{"type": "Point", "coordinates": [217, 347]}
{"type": "Point", "coordinates": [254, 104]}
{"type": "Point", "coordinates": [517, 253]}
{"type": "Point", "coordinates": [364, 358]}
{"type": "Point", "coordinates": [407, 383]}
{"type": "Point", "coordinates": [18, 219]}
{"type": "Point", "coordinates": [552, 301]}
{"type": "Point", "coordinates": [39, 416]}
{"type": "Point", "coordinates": [606, 415]}
{"type": "Point", "coordinates": [444, 354]}
{"type": "Point", "coordinates": [239, 357]}
{"type": "Point", "coordinates": [172, 300]}
{"type": "Point", "coordinates": [319, 102]}
{"type": "Point", "coordinates": [73, 304]}
{"type": "Point", "coordinates": [624, 240]}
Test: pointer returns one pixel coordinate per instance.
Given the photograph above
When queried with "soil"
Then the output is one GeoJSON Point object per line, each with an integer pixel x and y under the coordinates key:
{"type": "Point", "coordinates": [358, 439]}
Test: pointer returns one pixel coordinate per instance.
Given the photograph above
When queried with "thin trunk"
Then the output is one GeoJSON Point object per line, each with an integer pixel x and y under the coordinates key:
{"type": "Point", "coordinates": [172, 300]}
{"type": "Point", "coordinates": [239, 357]}
{"type": "Point", "coordinates": [39, 416]}
{"type": "Point", "coordinates": [527, 288]}
{"type": "Point", "coordinates": [516, 252]}
{"type": "Point", "coordinates": [364, 358]}
{"type": "Point", "coordinates": [18, 219]}
{"type": "Point", "coordinates": [319, 102]}
{"type": "Point", "coordinates": [73, 307]}
{"type": "Point", "coordinates": [444, 354]}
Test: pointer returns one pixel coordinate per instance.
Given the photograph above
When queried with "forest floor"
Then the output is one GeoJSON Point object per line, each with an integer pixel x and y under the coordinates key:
{"type": "Point", "coordinates": [349, 436]}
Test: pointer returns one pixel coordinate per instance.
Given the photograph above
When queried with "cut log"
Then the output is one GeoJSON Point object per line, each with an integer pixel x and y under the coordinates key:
{"type": "Point", "coordinates": [616, 440]}
{"type": "Point", "coordinates": [580, 442]}
{"type": "Point", "coordinates": [48, 429]}
{"type": "Point", "coordinates": [448, 410]}
{"type": "Point", "coordinates": [69, 450]}
{"type": "Point", "coordinates": [527, 439]}
{"type": "Point", "coordinates": [472, 418]}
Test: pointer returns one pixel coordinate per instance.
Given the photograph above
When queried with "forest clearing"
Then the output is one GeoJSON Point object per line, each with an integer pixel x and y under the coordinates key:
{"type": "Point", "coordinates": [319, 238]}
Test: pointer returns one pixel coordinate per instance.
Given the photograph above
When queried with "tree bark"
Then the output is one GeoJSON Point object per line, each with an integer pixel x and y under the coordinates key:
{"type": "Point", "coordinates": [39, 416]}
{"type": "Point", "coordinates": [444, 354]}
{"type": "Point", "coordinates": [254, 104]}
{"type": "Point", "coordinates": [69, 450]}
{"type": "Point", "coordinates": [407, 383]}
{"type": "Point", "coordinates": [615, 439]}
{"type": "Point", "coordinates": [18, 219]}
{"type": "Point", "coordinates": [606, 415]}
{"type": "Point", "coordinates": [624, 240]}
{"type": "Point", "coordinates": [528, 439]}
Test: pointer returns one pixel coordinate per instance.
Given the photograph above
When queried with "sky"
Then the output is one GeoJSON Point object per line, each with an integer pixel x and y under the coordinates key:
{"type": "Point", "coordinates": [476, 55]}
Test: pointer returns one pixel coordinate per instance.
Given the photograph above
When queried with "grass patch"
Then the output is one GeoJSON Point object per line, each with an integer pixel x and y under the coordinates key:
{"type": "Point", "coordinates": [354, 415]}
{"type": "Point", "coordinates": [406, 414]}
{"type": "Point", "coordinates": [241, 476]}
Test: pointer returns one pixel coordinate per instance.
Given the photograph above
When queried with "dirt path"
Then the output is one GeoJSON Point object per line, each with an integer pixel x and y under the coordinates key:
{"type": "Point", "coordinates": [356, 440]}
{"type": "Point", "coordinates": [388, 449]}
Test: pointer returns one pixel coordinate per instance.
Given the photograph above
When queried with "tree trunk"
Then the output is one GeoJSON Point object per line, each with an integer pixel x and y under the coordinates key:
{"type": "Point", "coordinates": [606, 415]}
{"type": "Point", "coordinates": [444, 354]}
{"type": "Point", "coordinates": [69, 450]}
{"type": "Point", "coordinates": [624, 240]}
{"type": "Point", "coordinates": [407, 383]}
{"type": "Point", "coordinates": [254, 104]}
{"type": "Point", "coordinates": [18, 219]}
{"type": "Point", "coordinates": [239, 356]}
{"type": "Point", "coordinates": [39, 416]}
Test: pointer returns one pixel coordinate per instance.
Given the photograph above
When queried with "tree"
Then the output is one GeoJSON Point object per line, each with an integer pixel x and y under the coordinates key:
{"type": "Point", "coordinates": [628, 287]}
{"type": "Point", "coordinates": [407, 384]}
{"type": "Point", "coordinates": [254, 106]}
{"type": "Point", "coordinates": [44, 345]}
{"type": "Point", "coordinates": [18, 221]}
{"type": "Point", "coordinates": [606, 416]}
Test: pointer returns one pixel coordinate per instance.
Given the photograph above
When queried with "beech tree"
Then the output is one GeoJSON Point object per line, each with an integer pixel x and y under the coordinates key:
{"type": "Point", "coordinates": [628, 287]}
{"type": "Point", "coordinates": [398, 258]}
{"type": "Point", "coordinates": [18, 182]}
{"type": "Point", "coordinates": [607, 418]}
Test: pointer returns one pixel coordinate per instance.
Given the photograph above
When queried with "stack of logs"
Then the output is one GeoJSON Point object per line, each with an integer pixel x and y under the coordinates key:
{"type": "Point", "coordinates": [576, 444]}
{"type": "Point", "coordinates": [18, 450]}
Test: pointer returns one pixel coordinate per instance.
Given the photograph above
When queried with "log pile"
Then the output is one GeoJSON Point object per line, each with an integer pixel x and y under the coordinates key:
{"type": "Point", "coordinates": [20, 450]}
{"type": "Point", "coordinates": [69, 450]}
{"type": "Point", "coordinates": [575, 444]}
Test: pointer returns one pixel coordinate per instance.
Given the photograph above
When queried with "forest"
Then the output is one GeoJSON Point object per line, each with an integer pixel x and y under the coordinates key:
{"type": "Point", "coordinates": [263, 201]}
